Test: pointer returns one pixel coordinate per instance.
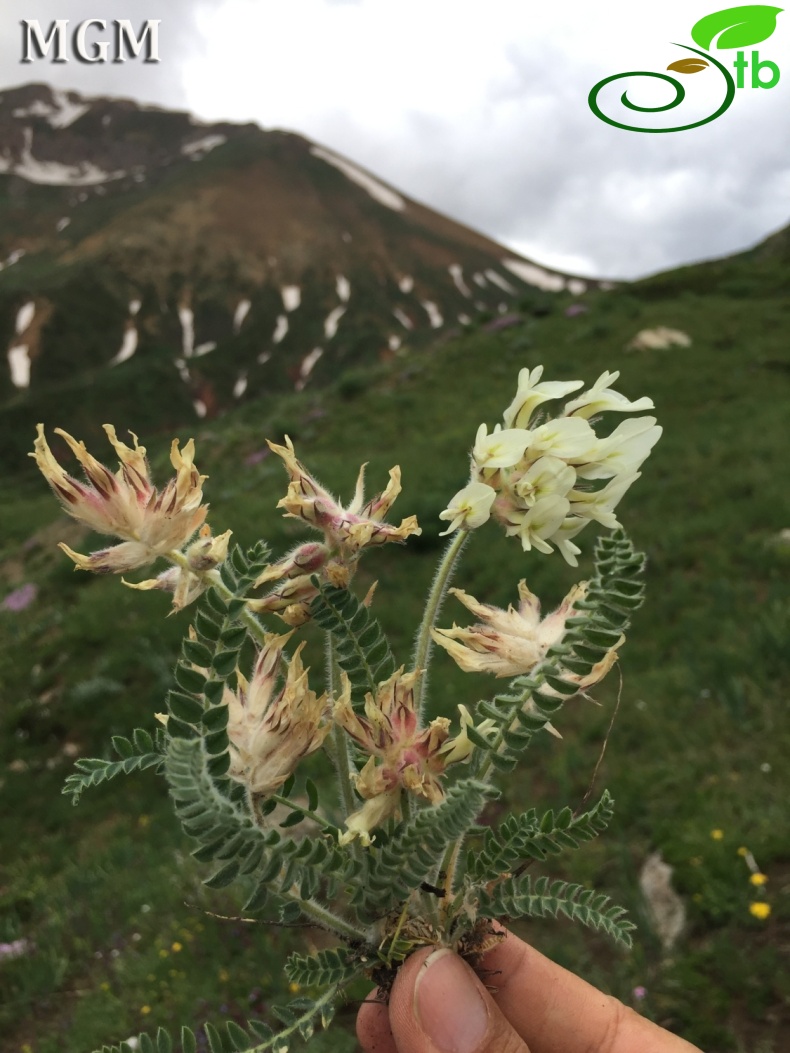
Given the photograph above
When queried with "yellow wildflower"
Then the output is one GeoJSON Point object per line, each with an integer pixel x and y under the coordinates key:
{"type": "Point", "coordinates": [717, 835]}
{"type": "Point", "coordinates": [760, 910]}
{"type": "Point", "coordinates": [758, 879]}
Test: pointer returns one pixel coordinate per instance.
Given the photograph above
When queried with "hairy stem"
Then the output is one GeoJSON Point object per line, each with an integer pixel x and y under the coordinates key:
{"type": "Point", "coordinates": [327, 920]}
{"type": "Point", "coordinates": [336, 743]}
{"type": "Point", "coordinates": [422, 650]}
{"type": "Point", "coordinates": [212, 578]}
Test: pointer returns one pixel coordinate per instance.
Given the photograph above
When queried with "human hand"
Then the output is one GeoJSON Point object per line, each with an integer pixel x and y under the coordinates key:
{"type": "Point", "coordinates": [438, 1005]}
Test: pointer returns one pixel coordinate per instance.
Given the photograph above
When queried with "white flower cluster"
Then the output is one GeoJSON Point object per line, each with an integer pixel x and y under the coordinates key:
{"type": "Point", "coordinates": [544, 483]}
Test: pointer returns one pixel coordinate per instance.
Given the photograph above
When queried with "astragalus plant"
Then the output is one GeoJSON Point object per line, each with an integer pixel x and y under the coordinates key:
{"type": "Point", "coordinates": [394, 858]}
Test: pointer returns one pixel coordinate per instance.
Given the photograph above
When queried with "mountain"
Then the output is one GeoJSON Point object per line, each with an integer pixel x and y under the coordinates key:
{"type": "Point", "coordinates": [148, 258]}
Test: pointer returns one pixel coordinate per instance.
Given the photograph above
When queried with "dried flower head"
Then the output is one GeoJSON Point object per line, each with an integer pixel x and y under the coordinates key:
{"type": "Point", "coordinates": [271, 731]}
{"type": "Point", "coordinates": [402, 755]}
{"type": "Point", "coordinates": [125, 504]}
{"type": "Point", "coordinates": [506, 643]}
{"type": "Point", "coordinates": [347, 531]}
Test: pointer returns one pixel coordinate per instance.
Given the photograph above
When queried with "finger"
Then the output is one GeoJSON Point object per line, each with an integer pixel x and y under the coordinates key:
{"type": "Point", "coordinates": [557, 1012]}
{"type": "Point", "coordinates": [438, 1005]}
{"type": "Point", "coordinates": [373, 1026]}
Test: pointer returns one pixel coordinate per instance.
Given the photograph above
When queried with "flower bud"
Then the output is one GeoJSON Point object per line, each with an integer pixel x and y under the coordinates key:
{"type": "Point", "coordinates": [208, 552]}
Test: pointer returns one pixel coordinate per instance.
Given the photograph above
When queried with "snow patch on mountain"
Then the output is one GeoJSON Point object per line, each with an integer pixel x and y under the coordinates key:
{"type": "Point", "coordinates": [280, 329]}
{"type": "Point", "coordinates": [134, 307]}
{"type": "Point", "coordinates": [434, 314]}
{"type": "Point", "coordinates": [66, 112]}
{"type": "Point", "coordinates": [128, 346]}
{"type": "Point", "coordinates": [377, 190]}
{"type": "Point", "coordinates": [394, 342]}
{"type": "Point", "coordinates": [24, 316]}
{"type": "Point", "coordinates": [187, 320]}
{"type": "Point", "coordinates": [59, 114]}
{"type": "Point", "coordinates": [62, 223]}
{"type": "Point", "coordinates": [19, 364]}
{"type": "Point", "coordinates": [406, 283]}
{"type": "Point", "coordinates": [240, 386]}
{"type": "Point", "coordinates": [343, 287]}
{"type": "Point", "coordinates": [497, 279]}
{"type": "Point", "coordinates": [403, 318]}
{"type": "Point", "coordinates": [204, 349]}
{"type": "Point", "coordinates": [457, 273]}
{"type": "Point", "coordinates": [292, 297]}
{"type": "Point", "coordinates": [331, 322]}
{"type": "Point", "coordinates": [53, 173]}
{"type": "Point", "coordinates": [242, 309]}
{"type": "Point", "coordinates": [532, 274]}
{"type": "Point", "coordinates": [306, 367]}
{"type": "Point", "coordinates": [13, 258]}
{"type": "Point", "coordinates": [198, 149]}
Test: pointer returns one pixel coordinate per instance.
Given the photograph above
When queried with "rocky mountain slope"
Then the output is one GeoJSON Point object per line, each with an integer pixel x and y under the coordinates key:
{"type": "Point", "coordinates": [147, 257]}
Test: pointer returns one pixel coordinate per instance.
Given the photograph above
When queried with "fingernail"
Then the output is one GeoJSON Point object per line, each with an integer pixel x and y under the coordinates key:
{"type": "Point", "coordinates": [448, 1004]}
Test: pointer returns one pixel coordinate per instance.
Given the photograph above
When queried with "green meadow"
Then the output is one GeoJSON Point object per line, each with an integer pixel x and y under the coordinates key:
{"type": "Point", "coordinates": [119, 934]}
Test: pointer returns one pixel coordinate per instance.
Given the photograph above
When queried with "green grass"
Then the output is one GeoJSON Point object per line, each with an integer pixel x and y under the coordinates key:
{"type": "Point", "coordinates": [699, 743]}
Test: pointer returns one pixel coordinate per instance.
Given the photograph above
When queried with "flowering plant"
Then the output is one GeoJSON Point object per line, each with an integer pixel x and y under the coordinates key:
{"type": "Point", "coordinates": [396, 859]}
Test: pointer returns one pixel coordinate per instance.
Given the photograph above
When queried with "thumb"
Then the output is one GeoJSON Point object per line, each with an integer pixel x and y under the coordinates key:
{"type": "Point", "coordinates": [438, 1005]}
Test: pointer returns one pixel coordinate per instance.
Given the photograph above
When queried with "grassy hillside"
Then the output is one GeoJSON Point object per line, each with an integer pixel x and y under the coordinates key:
{"type": "Point", "coordinates": [124, 937]}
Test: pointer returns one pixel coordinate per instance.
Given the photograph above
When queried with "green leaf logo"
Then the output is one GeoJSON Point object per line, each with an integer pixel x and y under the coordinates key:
{"type": "Point", "coordinates": [736, 27]}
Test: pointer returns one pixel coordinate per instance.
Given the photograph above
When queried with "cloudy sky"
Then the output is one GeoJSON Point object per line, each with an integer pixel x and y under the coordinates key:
{"type": "Point", "coordinates": [480, 110]}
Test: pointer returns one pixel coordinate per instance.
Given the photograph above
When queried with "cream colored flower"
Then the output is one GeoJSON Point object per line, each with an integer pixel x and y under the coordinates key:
{"type": "Point", "coordinates": [622, 452]}
{"type": "Point", "coordinates": [470, 508]}
{"type": "Point", "coordinates": [271, 731]}
{"type": "Point", "coordinates": [538, 523]}
{"type": "Point", "coordinates": [506, 642]}
{"type": "Point", "coordinates": [568, 529]}
{"type": "Point", "coordinates": [532, 394]}
{"type": "Point", "coordinates": [546, 476]}
{"type": "Point", "coordinates": [600, 504]}
{"type": "Point", "coordinates": [569, 438]}
{"type": "Point", "coordinates": [372, 814]}
{"type": "Point", "coordinates": [602, 399]}
{"type": "Point", "coordinates": [539, 476]}
{"type": "Point", "coordinates": [126, 504]}
{"type": "Point", "coordinates": [500, 449]}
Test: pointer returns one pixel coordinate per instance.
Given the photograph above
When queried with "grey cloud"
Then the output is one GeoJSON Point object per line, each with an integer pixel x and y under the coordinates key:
{"type": "Point", "coordinates": [534, 167]}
